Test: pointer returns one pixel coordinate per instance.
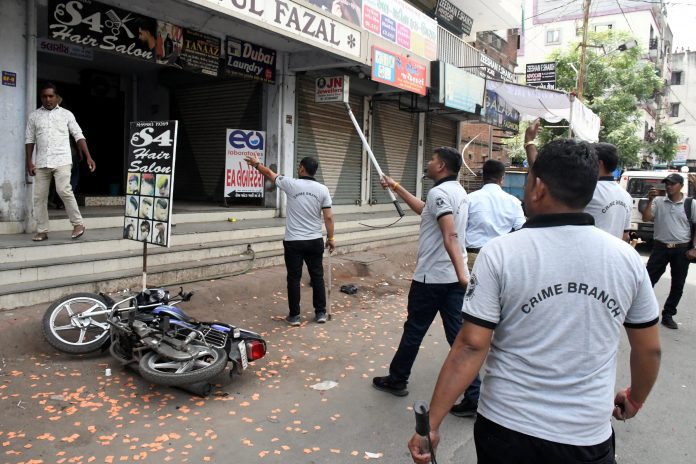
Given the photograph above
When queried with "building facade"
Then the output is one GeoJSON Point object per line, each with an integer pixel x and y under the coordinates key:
{"type": "Point", "coordinates": [681, 114]}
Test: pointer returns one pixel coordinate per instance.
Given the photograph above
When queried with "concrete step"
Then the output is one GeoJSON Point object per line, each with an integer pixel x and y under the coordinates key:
{"type": "Point", "coordinates": [76, 265]}
{"type": "Point", "coordinates": [171, 274]}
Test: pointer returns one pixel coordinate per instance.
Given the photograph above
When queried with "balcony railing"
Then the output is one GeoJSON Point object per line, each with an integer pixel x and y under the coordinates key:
{"type": "Point", "coordinates": [453, 50]}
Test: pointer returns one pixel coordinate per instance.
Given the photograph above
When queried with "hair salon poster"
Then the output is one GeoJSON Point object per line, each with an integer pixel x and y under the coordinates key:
{"type": "Point", "coordinates": [150, 181]}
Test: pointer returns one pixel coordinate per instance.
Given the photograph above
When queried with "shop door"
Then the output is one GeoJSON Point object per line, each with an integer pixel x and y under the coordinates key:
{"type": "Point", "coordinates": [325, 131]}
{"type": "Point", "coordinates": [205, 111]}
{"type": "Point", "coordinates": [439, 132]}
{"type": "Point", "coordinates": [395, 145]}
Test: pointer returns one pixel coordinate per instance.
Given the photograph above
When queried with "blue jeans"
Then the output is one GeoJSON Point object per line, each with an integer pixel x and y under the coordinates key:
{"type": "Point", "coordinates": [424, 302]}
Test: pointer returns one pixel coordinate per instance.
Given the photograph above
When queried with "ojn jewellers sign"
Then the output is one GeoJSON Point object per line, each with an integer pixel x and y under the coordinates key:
{"type": "Point", "coordinates": [297, 21]}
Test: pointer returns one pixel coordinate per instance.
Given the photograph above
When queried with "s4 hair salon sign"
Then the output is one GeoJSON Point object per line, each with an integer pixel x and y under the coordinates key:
{"type": "Point", "coordinates": [110, 29]}
{"type": "Point", "coordinates": [150, 181]}
{"type": "Point", "coordinates": [241, 180]}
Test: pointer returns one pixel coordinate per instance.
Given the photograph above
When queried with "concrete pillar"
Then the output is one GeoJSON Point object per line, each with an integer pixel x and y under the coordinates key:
{"type": "Point", "coordinates": [419, 158]}
{"type": "Point", "coordinates": [288, 123]}
{"type": "Point", "coordinates": [13, 112]}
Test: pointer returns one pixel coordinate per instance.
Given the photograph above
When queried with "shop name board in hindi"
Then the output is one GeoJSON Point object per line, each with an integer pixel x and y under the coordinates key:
{"type": "Point", "coordinates": [398, 71]}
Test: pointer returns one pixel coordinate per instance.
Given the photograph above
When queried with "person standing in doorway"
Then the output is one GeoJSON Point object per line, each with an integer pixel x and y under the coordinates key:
{"type": "Point", "coordinates": [441, 276]}
{"type": "Point", "coordinates": [545, 309]}
{"type": "Point", "coordinates": [674, 243]}
{"type": "Point", "coordinates": [48, 130]}
{"type": "Point", "coordinates": [611, 205]}
{"type": "Point", "coordinates": [308, 201]}
{"type": "Point", "coordinates": [492, 213]}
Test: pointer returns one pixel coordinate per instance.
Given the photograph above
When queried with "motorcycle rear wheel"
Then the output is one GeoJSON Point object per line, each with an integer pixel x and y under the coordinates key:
{"type": "Point", "coordinates": [67, 329]}
{"type": "Point", "coordinates": [157, 369]}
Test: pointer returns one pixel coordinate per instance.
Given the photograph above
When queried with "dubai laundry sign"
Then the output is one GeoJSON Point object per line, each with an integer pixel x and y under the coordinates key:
{"type": "Point", "coordinates": [295, 20]}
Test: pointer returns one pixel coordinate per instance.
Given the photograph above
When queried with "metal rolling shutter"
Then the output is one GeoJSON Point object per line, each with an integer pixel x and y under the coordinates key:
{"type": "Point", "coordinates": [395, 145]}
{"type": "Point", "coordinates": [325, 131]}
{"type": "Point", "coordinates": [439, 132]}
{"type": "Point", "coordinates": [205, 112]}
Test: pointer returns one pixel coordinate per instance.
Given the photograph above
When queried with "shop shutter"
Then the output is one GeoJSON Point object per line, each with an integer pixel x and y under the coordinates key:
{"type": "Point", "coordinates": [325, 131]}
{"type": "Point", "coordinates": [395, 145]}
{"type": "Point", "coordinates": [205, 112]}
{"type": "Point", "coordinates": [439, 132]}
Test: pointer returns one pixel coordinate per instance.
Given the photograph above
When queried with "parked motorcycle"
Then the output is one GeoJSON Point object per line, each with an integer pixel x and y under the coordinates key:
{"type": "Point", "coordinates": [149, 332]}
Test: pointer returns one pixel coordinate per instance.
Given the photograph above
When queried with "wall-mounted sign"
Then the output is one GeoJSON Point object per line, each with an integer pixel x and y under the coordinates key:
{"type": "Point", "coordinates": [350, 10]}
{"type": "Point", "coordinates": [493, 69]}
{"type": "Point", "coordinates": [541, 75]}
{"type": "Point", "coordinates": [9, 79]}
{"type": "Point", "coordinates": [110, 29]}
{"type": "Point", "coordinates": [402, 24]}
{"type": "Point", "coordinates": [331, 89]}
{"type": "Point", "coordinates": [56, 47]}
{"type": "Point", "coordinates": [296, 21]}
{"type": "Point", "coordinates": [170, 43]}
{"type": "Point", "coordinates": [200, 53]}
{"type": "Point", "coordinates": [499, 113]}
{"type": "Point", "coordinates": [150, 181]}
{"type": "Point", "coordinates": [682, 152]}
{"type": "Point", "coordinates": [241, 180]}
{"type": "Point", "coordinates": [462, 90]}
{"type": "Point", "coordinates": [250, 61]}
{"type": "Point", "coordinates": [452, 18]}
{"type": "Point", "coordinates": [398, 71]}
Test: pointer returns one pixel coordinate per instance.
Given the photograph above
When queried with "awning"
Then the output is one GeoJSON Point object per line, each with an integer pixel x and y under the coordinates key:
{"type": "Point", "coordinates": [550, 105]}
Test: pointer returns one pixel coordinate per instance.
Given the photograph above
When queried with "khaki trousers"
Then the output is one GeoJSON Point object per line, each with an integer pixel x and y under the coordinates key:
{"type": "Point", "coordinates": [42, 184]}
{"type": "Point", "coordinates": [470, 259]}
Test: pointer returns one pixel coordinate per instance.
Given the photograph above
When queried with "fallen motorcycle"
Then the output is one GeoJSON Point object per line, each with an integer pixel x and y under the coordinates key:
{"type": "Point", "coordinates": [147, 331]}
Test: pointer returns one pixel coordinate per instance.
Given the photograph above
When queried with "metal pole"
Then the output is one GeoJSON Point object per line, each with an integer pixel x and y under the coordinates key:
{"type": "Point", "coordinates": [373, 159]}
{"type": "Point", "coordinates": [585, 22]}
{"type": "Point", "coordinates": [144, 265]}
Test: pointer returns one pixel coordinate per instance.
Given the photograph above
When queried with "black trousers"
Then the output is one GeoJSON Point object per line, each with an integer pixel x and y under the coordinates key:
{"type": "Point", "coordinates": [496, 444]}
{"type": "Point", "coordinates": [310, 252]}
{"type": "Point", "coordinates": [424, 302]}
{"type": "Point", "coordinates": [679, 265]}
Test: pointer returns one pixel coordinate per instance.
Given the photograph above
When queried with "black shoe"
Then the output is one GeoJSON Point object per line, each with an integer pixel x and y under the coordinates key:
{"type": "Point", "coordinates": [465, 408]}
{"type": "Point", "coordinates": [386, 384]}
{"type": "Point", "coordinates": [320, 318]}
{"type": "Point", "coordinates": [668, 322]}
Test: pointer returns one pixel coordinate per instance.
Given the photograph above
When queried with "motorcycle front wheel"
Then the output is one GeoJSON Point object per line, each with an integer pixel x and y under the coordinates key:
{"type": "Point", "coordinates": [158, 369]}
{"type": "Point", "coordinates": [77, 323]}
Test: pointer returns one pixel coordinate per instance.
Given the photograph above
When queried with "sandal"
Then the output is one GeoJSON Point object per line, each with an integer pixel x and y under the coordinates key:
{"type": "Point", "coordinates": [40, 237]}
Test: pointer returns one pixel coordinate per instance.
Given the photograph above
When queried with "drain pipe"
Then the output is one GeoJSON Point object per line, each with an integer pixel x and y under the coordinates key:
{"type": "Point", "coordinates": [30, 85]}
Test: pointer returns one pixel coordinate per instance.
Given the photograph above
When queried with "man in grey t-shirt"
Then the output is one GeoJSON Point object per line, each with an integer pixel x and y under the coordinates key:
{"type": "Point", "coordinates": [673, 242]}
{"type": "Point", "coordinates": [441, 275]}
{"type": "Point", "coordinates": [308, 201]}
{"type": "Point", "coordinates": [544, 309]}
{"type": "Point", "coordinates": [611, 205]}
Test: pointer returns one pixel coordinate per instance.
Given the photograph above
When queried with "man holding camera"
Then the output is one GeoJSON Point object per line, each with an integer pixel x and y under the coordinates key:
{"type": "Point", "coordinates": [675, 240]}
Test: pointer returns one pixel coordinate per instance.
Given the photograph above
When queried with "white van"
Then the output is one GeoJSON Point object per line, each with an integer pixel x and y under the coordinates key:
{"type": "Point", "coordinates": [638, 184]}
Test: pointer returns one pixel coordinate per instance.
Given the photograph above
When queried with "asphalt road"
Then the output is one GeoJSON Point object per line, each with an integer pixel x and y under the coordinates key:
{"type": "Point", "coordinates": [63, 409]}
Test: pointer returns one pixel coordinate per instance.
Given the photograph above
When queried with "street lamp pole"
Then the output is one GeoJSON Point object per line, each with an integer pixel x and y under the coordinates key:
{"type": "Point", "coordinates": [583, 51]}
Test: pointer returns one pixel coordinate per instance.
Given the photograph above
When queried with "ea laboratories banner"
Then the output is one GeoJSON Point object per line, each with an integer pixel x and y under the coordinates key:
{"type": "Point", "coordinates": [150, 181]}
{"type": "Point", "coordinates": [295, 20]}
{"type": "Point", "coordinates": [250, 61]}
{"type": "Point", "coordinates": [242, 180]}
{"type": "Point", "coordinates": [111, 29]}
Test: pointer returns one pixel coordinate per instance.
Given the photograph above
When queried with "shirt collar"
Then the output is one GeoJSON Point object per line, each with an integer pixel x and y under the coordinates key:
{"type": "Point", "coordinates": [560, 219]}
{"type": "Point", "coordinates": [611, 178]}
{"type": "Point", "coordinates": [307, 178]}
{"type": "Point", "coordinates": [666, 197]}
{"type": "Point", "coordinates": [491, 185]}
{"type": "Point", "coordinates": [56, 107]}
{"type": "Point", "coordinates": [445, 179]}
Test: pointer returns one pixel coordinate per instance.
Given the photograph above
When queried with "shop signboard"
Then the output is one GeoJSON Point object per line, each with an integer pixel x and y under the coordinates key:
{"type": "Point", "coordinates": [170, 43]}
{"type": "Point", "coordinates": [331, 89]}
{"type": "Point", "coordinates": [499, 113]}
{"type": "Point", "coordinates": [241, 180]}
{"type": "Point", "coordinates": [150, 181]}
{"type": "Point", "coordinates": [541, 75]}
{"type": "Point", "coordinates": [493, 69]}
{"type": "Point", "coordinates": [108, 28]}
{"type": "Point", "coordinates": [398, 71]}
{"type": "Point", "coordinates": [250, 61]}
{"type": "Point", "coordinates": [294, 20]}
{"type": "Point", "coordinates": [452, 18]}
{"type": "Point", "coordinates": [200, 53]}
{"type": "Point", "coordinates": [349, 10]}
{"type": "Point", "coordinates": [9, 79]}
{"type": "Point", "coordinates": [403, 25]}
{"type": "Point", "coordinates": [463, 90]}
{"type": "Point", "coordinates": [55, 47]}
{"type": "Point", "coordinates": [682, 152]}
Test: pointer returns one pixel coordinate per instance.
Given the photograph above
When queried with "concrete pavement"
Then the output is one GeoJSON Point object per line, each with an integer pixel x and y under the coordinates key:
{"type": "Point", "coordinates": [63, 409]}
